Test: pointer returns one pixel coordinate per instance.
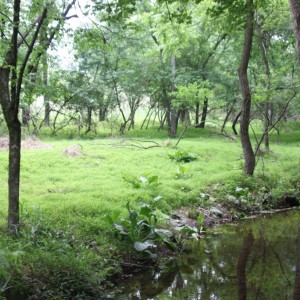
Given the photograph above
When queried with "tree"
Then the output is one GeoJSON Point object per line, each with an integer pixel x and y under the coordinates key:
{"type": "Point", "coordinates": [295, 12]}
{"type": "Point", "coordinates": [14, 67]}
{"type": "Point", "coordinates": [249, 157]}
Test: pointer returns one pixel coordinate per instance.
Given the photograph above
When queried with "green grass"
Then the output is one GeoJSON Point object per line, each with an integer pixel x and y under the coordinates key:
{"type": "Point", "coordinates": [64, 199]}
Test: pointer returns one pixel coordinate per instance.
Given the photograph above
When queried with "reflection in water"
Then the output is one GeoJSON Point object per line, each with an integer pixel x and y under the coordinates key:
{"type": "Point", "coordinates": [241, 266]}
{"type": "Point", "coordinates": [257, 259]}
{"type": "Point", "coordinates": [297, 277]}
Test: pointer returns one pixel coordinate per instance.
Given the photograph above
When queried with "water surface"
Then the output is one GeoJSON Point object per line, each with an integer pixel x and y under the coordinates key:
{"type": "Point", "coordinates": [254, 259]}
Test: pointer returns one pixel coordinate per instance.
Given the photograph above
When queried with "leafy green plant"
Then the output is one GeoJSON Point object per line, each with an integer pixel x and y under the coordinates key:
{"type": "Point", "coordinates": [140, 227]}
{"type": "Point", "coordinates": [142, 181]}
{"type": "Point", "coordinates": [182, 173]}
{"type": "Point", "coordinates": [182, 156]}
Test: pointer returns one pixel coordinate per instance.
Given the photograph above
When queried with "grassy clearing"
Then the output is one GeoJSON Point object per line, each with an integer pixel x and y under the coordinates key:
{"type": "Point", "coordinates": [64, 200]}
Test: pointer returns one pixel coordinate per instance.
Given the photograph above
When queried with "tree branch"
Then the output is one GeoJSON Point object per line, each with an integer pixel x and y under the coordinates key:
{"type": "Point", "coordinates": [25, 61]}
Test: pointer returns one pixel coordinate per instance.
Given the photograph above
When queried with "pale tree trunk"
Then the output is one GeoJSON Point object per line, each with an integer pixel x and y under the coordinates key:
{"type": "Point", "coordinates": [173, 121]}
{"type": "Point", "coordinates": [46, 96]}
{"type": "Point", "coordinates": [249, 157]}
{"type": "Point", "coordinates": [266, 113]}
{"type": "Point", "coordinates": [295, 11]}
{"type": "Point", "coordinates": [26, 115]}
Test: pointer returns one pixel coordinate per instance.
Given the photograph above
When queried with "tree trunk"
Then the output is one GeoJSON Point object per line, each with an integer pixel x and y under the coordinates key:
{"type": "Point", "coordinates": [102, 113]}
{"type": "Point", "coordinates": [249, 157]}
{"type": "Point", "coordinates": [295, 12]}
{"type": "Point", "coordinates": [266, 127]}
{"type": "Point", "coordinates": [266, 114]}
{"type": "Point", "coordinates": [172, 130]}
{"type": "Point", "coordinates": [227, 115]}
{"type": "Point", "coordinates": [234, 122]}
{"type": "Point", "coordinates": [46, 96]}
{"type": "Point", "coordinates": [184, 116]}
{"type": "Point", "coordinates": [14, 128]}
{"type": "Point", "coordinates": [197, 114]}
{"type": "Point", "coordinates": [14, 174]}
{"type": "Point", "coordinates": [173, 116]}
{"type": "Point", "coordinates": [204, 113]}
{"type": "Point", "coordinates": [89, 119]}
{"type": "Point", "coordinates": [26, 115]}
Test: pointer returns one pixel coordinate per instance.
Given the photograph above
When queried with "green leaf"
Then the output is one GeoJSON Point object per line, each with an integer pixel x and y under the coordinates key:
{"type": "Point", "coordinates": [153, 179]}
{"type": "Point", "coordinates": [200, 220]}
{"type": "Point", "coordinates": [145, 211]}
{"type": "Point", "coordinates": [119, 229]}
{"type": "Point", "coordinates": [144, 246]}
{"type": "Point", "coordinates": [188, 230]}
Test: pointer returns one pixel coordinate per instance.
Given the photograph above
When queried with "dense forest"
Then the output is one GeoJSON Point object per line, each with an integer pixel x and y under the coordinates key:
{"type": "Point", "coordinates": [138, 86]}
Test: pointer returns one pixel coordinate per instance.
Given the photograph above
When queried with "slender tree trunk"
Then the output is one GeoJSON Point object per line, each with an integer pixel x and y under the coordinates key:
{"type": "Point", "coordinates": [235, 122]}
{"type": "Point", "coordinates": [266, 114]}
{"type": "Point", "coordinates": [197, 114]}
{"type": "Point", "coordinates": [227, 115]}
{"type": "Point", "coordinates": [249, 157]}
{"type": "Point", "coordinates": [26, 115]}
{"type": "Point", "coordinates": [173, 116]}
{"type": "Point", "coordinates": [204, 113]}
{"type": "Point", "coordinates": [295, 12]}
{"type": "Point", "coordinates": [266, 127]}
{"type": "Point", "coordinates": [102, 113]}
{"type": "Point", "coordinates": [172, 130]}
{"type": "Point", "coordinates": [14, 174]}
{"type": "Point", "coordinates": [89, 119]}
{"type": "Point", "coordinates": [46, 96]}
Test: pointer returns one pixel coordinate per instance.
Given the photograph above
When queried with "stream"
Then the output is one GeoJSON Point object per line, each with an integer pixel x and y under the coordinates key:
{"type": "Point", "coordinates": [252, 259]}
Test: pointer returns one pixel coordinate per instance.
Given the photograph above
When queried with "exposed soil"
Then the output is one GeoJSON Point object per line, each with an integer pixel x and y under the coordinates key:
{"type": "Point", "coordinates": [29, 143]}
{"type": "Point", "coordinates": [213, 215]}
{"type": "Point", "coordinates": [217, 214]}
{"type": "Point", "coordinates": [75, 150]}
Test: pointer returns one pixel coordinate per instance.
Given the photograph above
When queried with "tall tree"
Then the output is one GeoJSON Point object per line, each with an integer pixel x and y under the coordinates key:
{"type": "Point", "coordinates": [249, 157]}
{"type": "Point", "coordinates": [295, 12]}
{"type": "Point", "coordinates": [14, 67]}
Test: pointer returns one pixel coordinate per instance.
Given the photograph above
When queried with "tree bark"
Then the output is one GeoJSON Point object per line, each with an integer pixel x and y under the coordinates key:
{"type": "Point", "coordinates": [295, 12]}
{"type": "Point", "coordinates": [14, 174]}
{"type": "Point", "coordinates": [204, 113]}
{"type": "Point", "coordinates": [46, 97]}
{"type": "Point", "coordinates": [173, 116]}
{"type": "Point", "coordinates": [102, 113]}
{"type": "Point", "coordinates": [197, 114]}
{"type": "Point", "coordinates": [266, 113]}
{"type": "Point", "coordinates": [249, 157]}
{"type": "Point", "coordinates": [26, 115]}
{"type": "Point", "coordinates": [235, 122]}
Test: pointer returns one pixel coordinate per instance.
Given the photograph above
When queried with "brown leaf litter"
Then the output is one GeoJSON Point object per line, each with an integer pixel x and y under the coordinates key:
{"type": "Point", "coordinates": [29, 143]}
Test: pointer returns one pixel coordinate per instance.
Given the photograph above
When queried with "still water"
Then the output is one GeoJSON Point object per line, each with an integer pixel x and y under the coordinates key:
{"type": "Point", "coordinates": [254, 259]}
